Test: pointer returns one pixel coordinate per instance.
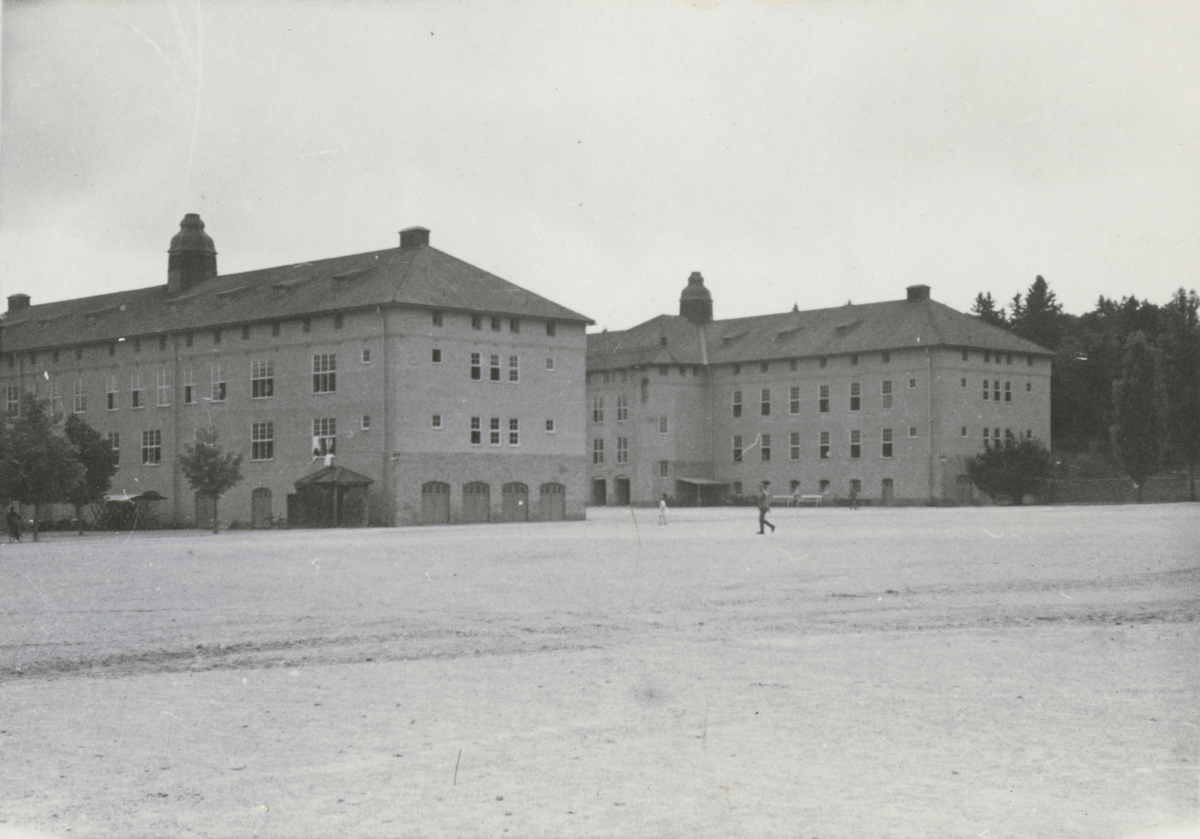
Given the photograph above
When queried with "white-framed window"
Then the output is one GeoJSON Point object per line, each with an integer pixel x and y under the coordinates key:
{"type": "Point", "coordinates": [597, 409]}
{"type": "Point", "coordinates": [855, 396]}
{"type": "Point", "coordinates": [823, 446]}
{"type": "Point", "coordinates": [365, 357]}
{"type": "Point", "coordinates": [12, 400]}
{"type": "Point", "coordinates": [550, 364]}
{"type": "Point", "coordinates": [986, 390]}
{"type": "Point", "coordinates": [324, 436]}
{"type": "Point", "coordinates": [514, 432]}
{"type": "Point", "coordinates": [549, 426]}
{"type": "Point", "coordinates": [885, 388]}
{"type": "Point", "coordinates": [436, 355]}
{"type": "Point", "coordinates": [494, 431]}
{"type": "Point", "coordinates": [217, 379]}
{"type": "Point", "coordinates": [476, 367]}
{"type": "Point", "coordinates": [886, 450]}
{"type": "Point", "coordinates": [436, 422]}
{"type": "Point", "coordinates": [855, 443]}
{"type": "Point", "coordinates": [1008, 391]}
{"type": "Point", "coordinates": [912, 431]}
{"type": "Point", "coordinates": [622, 408]}
{"type": "Point", "coordinates": [54, 394]}
{"type": "Point", "coordinates": [262, 379]}
{"type": "Point", "coordinates": [476, 431]}
{"type": "Point", "coordinates": [996, 389]}
{"type": "Point", "coordinates": [494, 367]}
{"type": "Point", "coordinates": [110, 386]}
{"type": "Point", "coordinates": [794, 446]}
{"type": "Point", "coordinates": [794, 400]}
{"type": "Point", "coordinates": [364, 423]}
{"type": "Point", "coordinates": [764, 447]}
{"type": "Point", "coordinates": [162, 387]}
{"type": "Point", "coordinates": [324, 372]}
{"type": "Point", "coordinates": [823, 398]}
{"type": "Point", "coordinates": [79, 400]}
{"type": "Point", "coordinates": [622, 450]}
{"type": "Point", "coordinates": [114, 447]}
{"type": "Point", "coordinates": [737, 448]}
{"type": "Point", "coordinates": [765, 402]}
{"type": "Point", "coordinates": [597, 451]}
{"type": "Point", "coordinates": [137, 397]}
{"type": "Point", "coordinates": [189, 385]}
{"type": "Point", "coordinates": [663, 425]}
{"type": "Point", "coordinates": [664, 469]}
{"type": "Point", "coordinates": [262, 441]}
{"type": "Point", "coordinates": [912, 384]}
{"type": "Point", "coordinates": [737, 403]}
{"type": "Point", "coordinates": [151, 448]}
{"type": "Point", "coordinates": [514, 368]}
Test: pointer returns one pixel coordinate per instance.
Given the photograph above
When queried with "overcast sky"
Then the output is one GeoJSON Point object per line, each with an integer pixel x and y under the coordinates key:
{"type": "Point", "coordinates": [599, 152]}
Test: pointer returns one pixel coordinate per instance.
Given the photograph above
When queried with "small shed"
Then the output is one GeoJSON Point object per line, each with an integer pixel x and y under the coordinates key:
{"type": "Point", "coordinates": [333, 496]}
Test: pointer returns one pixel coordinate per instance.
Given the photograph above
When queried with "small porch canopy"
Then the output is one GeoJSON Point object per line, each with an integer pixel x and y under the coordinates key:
{"type": "Point", "coordinates": [700, 492]}
{"type": "Point", "coordinates": [333, 496]}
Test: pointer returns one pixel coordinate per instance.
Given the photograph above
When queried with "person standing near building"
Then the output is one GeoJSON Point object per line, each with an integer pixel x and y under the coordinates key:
{"type": "Point", "coordinates": [853, 496]}
{"type": "Point", "coordinates": [764, 507]}
{"type": "Point", "coordinates": [13, 520]}
{"type": "Point", "coordinates": [662, 510]}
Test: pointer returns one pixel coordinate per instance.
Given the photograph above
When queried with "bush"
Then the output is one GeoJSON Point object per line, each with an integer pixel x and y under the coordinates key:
{"type": "Point", "coordinates": [1011, 471]}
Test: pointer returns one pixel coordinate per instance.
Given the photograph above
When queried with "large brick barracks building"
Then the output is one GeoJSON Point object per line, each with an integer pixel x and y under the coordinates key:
{"type": "Point", "coordinates": [419, 387]}
{"type": "Point", "coordinates": [889, 399]}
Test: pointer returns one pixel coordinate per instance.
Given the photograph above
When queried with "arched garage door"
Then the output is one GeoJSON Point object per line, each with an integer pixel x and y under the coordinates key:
{"type": "Point", "coordinates": [514, 504]}
{"type": "Point", "coordinates": [553, 502]}
{"type": "Point", "coordinates": [435, 503]}
{"type": "Point", "coordinates": [477, 502]}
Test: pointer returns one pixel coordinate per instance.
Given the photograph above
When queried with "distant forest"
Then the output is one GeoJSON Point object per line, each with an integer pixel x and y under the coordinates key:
{"type": "Point", "coordinates": [1125, 382]}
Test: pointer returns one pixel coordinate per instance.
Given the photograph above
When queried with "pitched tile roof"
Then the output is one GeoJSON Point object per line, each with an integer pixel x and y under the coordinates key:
{"type": "Point", "coordinates": [421, 276]}
{"type": "Point", "coordinates": [891, 325]}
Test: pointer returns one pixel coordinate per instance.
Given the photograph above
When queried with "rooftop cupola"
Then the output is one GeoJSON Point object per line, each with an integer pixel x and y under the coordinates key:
{"type": "Point", "coordinates": [918, 292]}
{"type": "Point", "coordinates": [695, 303]}
{"type": "Point", "coordinates": [191, 258]}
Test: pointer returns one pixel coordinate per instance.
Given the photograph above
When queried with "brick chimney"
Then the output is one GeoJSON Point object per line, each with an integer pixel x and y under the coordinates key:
{"type": "Point", "coordinates": [191, 258]}
{"type": "Point", "coordinates": [918, 292]}
{"type": "Point", "coordinates": [17, 302]}
{"type": "Point", "coordinates": [413, 237]}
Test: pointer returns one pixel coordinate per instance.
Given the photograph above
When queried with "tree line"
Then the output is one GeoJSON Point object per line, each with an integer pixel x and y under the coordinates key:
{"type": "Point", "coordinates": [1125, 380]}
{"type": "Point", "coordinates": [51, 459]}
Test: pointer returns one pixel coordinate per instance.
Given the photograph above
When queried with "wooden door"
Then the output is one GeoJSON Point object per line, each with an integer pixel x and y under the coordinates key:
{"type": "Point", "coordinates": [553, 502]}
{"type": "Point", "coordinates": [477, 503]}
{"type": "Point", "coordinates": [435, 503]}
{"type": "Point", "coordinates": [514, 502]}
{"type": "Point", "coordinates": [260, 507]}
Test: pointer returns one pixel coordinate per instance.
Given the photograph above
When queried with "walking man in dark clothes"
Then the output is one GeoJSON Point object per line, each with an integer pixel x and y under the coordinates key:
{"type": "Point", "coordinates": [764, 507]}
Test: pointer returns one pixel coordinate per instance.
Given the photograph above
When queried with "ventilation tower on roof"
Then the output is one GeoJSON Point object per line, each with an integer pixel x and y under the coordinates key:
{"type": "Point", "coordinates": [695, 303]}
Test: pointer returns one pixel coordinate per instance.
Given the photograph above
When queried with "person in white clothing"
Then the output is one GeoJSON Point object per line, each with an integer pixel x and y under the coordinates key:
{"type": "Point", "coordinates": [662, 510]}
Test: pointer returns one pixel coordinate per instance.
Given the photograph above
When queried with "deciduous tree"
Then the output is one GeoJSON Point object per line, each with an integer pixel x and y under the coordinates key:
{"type": "Point", "coordinates": [95, 455]}
{"type": "Point", "coordinates": [1012, 470]}
{"type": "Point", "coordinates": [1179, 340]}
{"type": "Point", "coordinates": [39, 465]}
{"type": "Point", "coordinates": [1138, 411]}
{"type": "Point", "coordinates": [210, 471]}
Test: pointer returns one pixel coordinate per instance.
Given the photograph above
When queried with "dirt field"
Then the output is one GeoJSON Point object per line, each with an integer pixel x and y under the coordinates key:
{"type": "Point", "coordinates": [880, 673]}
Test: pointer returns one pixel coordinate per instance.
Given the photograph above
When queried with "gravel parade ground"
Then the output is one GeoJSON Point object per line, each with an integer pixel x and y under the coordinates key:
{"type": "Point", "coordinates": [967, 672]}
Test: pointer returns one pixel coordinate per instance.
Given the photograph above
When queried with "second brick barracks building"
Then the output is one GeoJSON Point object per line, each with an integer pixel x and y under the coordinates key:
{"type": "Point", "coordinates": [449, 394]}
{"type": "Point", "coordinates": [889, 399]}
